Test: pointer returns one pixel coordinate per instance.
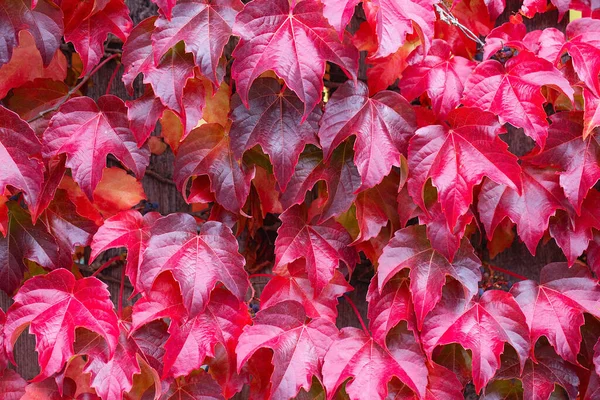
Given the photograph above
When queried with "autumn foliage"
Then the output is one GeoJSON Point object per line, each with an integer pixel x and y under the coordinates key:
{"type": "Point", "coordinates": [316, 140]}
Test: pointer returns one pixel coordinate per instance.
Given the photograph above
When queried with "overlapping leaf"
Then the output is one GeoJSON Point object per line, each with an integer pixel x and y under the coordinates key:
{"type": "Point", "coordinates": [383, 126]}
{"type": "Point", "coordinates": [294, 42]}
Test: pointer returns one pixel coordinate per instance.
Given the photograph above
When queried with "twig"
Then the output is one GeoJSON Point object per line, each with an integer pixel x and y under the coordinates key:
{"type": "Point", "coordinates": [120, 305]}
{"type": "Point", "coordinates": [261, 276]}
{"type": "Point", "coordinates": [507, 272]}
{"type": "Point", "coordinates": [112, 78]}
{"type": "Point", "coordinates": [362, 323]}
{"type": "Point", "coordinates": [449, 18]}
{"type": "Point", "coordinates": [107, 264]}
{"type": "Point", "coordinates": [159, 177]}
{"type": "Point", "coordinates": [73, 90]}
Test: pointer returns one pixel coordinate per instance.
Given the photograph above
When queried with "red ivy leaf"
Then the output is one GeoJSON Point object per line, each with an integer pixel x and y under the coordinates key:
{"type": "Point", "coordinates": [127, 229]}
{"type": "Point", "coordinates": [207, 151]}
{"type": "Point", "coordinates": [111, 374]}
{"type": "Point", "coordinates": [197, 257]}
{"type": "Point", "coordinates": [578, 158]}
{"type": "Point", "coordinates": [538, 378]}
{"type": "Point", "coordinates": [382, 125]}
{"type": "Point", "coordinates": [195, 338]}
{"type": "Point", "coordinates": [137, 52]}
{"type": "Point", "coordinates": [356, 355]}
{"type": "Point", "coordinates": [531, 211]}
{"type": "Point", "coordinates": [24, 241]}
{"type": "Point", "coordinates": [273, 120]}
{"type": "Point", "coordinates": [322, 245]}
{"type": "Point", "coordinates": [143, 113]}
{"type": "Point", "coordinates": [554, 308]}
{"type": "Point", "coordinates": [584, 48]}
{"type": "Point", "coordinates": [44, 22]}
{"type": "Point", "coordinates": [197, 386]}
{"type": "Point", "coordinates": [162, 301]}
{"type": "Point", "coordinates": [54, 305]}
{"type": "Point", "coordinates": [87, 132]}
{"type": "Point", "coordinates": [298, 346]}
{"type": "Point", "coordinates": [271, 34]}
{"type": "Point", "coordinates": [19, 148]}
{"type": "Point", "coordinates": [411, 249]}
{"type": "Point", "coordinates": [513, 91]}
{"type": "Point", "coordinates": [393, 20]}
{"type": "Point", "coordinates": [456, 158]}
{"type": "Point", "coordinates": [339, 174]}
{"type": "Point", "coordinates": [204, 27]}
{"type": "Point", "coordinates": [441, 74]}
{"type": "Point", "coordinates": [88, 33]}
{"type": "Point", "coordinates": [12, 385]}
{"type": "Point", "coordinates": [298, 287]}
{"type": "Point", "coordinates": [482, 326]}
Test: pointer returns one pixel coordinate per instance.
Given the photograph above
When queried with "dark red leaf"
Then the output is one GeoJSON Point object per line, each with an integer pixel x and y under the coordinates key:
{"type": "Point", "coordinates": [204, 27]}
{"type": "Point", "coordinates": [19, 155]}
{"type": "Point", "coordinates": [273, 120]}
{"type": "Point", "coordinates": [44, 23]}
{"type": "Point", "coordinates": [207, 151]}
{"type": "Point", "coordinates": [293, 42]}
{"type": "Point", "coordinates": [143, 113]}
{"type": "Point", "coordinates": [137, 52]}
{"type": "Point", "coordinates": [162, 301]}
{"type": "Point", "coordinates": [578, 158]}
{"type": "Point", "coordinates": [54, 305]}
{"type": "Point", "coordinates": [199, 386]}
{"type": "Point", "coordinates": [24, 241]}
{"type": "Point", "coordinates": [12, 385]}
{"type": "Point", "coordinates": [382, 125]}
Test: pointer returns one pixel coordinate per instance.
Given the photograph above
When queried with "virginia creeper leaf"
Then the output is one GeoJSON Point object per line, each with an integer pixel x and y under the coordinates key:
{"type": "Point", "coordinates": [298, 346]}
{"type": "Point", "coordinates": [12, 385]}
{"type": "Point", "coordinates": [197, 257]}
{"type": "Point", "coordinates": [482, 326]}
{"type": "Point", "coordinates": [410, 248]}
{"type": "Point", "coordinates": [203, 25]}
{"type": "Point", "coordinates": [358, 356]}
{"type": "Point", "coordinates": [127, 229]}
{"type": "Point", "coordinates": [200, 386]}
{"type": "Point", "coordinates": [513, 91]}
{"type": "Point", "coordinates": [382, 125]}
{"type": "Point", "coordinates": [137, 52]}
{"type": "Point", "coordinates": [441, 74]}
{"type": "Point", "coordinates": [273, 120]}
{"type": "Point", "coordinates": [24, 241]}
{"type": "Point", "coordinates": [456, 158]}
{"type": "Point", "coordinates": [207, 151]}
{"type": "Point", "coordinates": [44, 22]}
{"type": "Point", "coordinates": [54, 305]}
{"type": "Point", "coordinates": [293, 42]}
{"type": "Point", "coordinates": [19, 154]}
{"type": "Point", "coordinates": [531, 211]}
{"type": "Point", "coordinates": [87, 132]}
{"type": "Point", "coordinates": [578, 158]}
{"type": "Point", "coordinates": [554, 308]}
{"type": "Point", "coordinates": [322, 245]}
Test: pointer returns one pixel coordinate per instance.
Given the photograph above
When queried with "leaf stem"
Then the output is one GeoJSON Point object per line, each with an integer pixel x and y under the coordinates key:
{"type": "Point", "coordinates": [447, 16]}
{"type": "Point", "coordinates": [73, 90]}
{"type": "Point", "coordinates": [112, 78]}
{"type": "Point", "coordinates": [261, 276]}
{"type": "Point", "coordinates": [106, 265]}
{"type": "Point", "coordinates": [362, 323]}
{"type": "Point", "coordinates": [507, 272]}
{"type": "Point", "coordinates": [121, 288]}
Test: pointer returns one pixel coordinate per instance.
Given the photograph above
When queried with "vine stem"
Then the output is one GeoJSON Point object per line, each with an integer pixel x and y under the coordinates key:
{"type": "Point", "coordinates": [507, 272]}
{"type": "Point", "coordinates": [449, 18]}
{"type": "Point", "coordinates": [112, 78]}
{"type": "Point", "coordinates": [261, 276]}
{"type": "Point", "coordinates": [362, 323]}
{"type": "Point", "coordinates": [121, 288]}
{"type": "Point", "coordinates": [106, 265]}
{"type": "Point", "coordinates": [74, 89]}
